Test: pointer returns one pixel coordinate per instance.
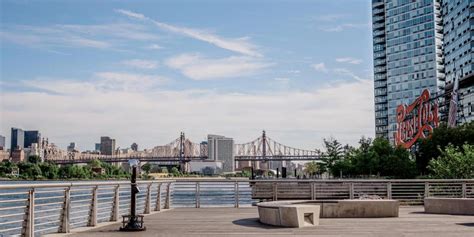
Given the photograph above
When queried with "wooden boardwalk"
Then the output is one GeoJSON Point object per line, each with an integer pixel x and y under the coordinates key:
{"type": "Point", "coordinates": [244, 222]}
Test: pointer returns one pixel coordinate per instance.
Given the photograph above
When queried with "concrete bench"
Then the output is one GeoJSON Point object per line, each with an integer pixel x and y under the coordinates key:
{"type": "Point", "coordinates": [307, 213]}
{"type": "Point", "coordinates": [454, 206]}
{"type": "Point", "coordinates": [290, 215]}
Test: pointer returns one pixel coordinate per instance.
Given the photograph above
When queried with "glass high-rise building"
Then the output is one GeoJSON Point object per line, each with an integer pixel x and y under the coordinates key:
{"type": "Point", "coordinates": [458, 25]}
{"type": "Point", "coordinates": [408, 57]}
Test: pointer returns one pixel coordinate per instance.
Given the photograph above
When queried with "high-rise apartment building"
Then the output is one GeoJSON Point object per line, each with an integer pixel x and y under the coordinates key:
{"type": "Point", "coordinates": [17, 139]}
{"type": "Point", "coordinates": [408, 57]}
{"type": "Point", "coordinates": [107, 146]}
{"type": "Point", "coordinates": [221, 148]}
{"type": "Point", "coordinates": [2, 142]}
{"type": "Point", "coordinates": [458, 23]}
{"type": "Point", "coordinates": [32, 137]}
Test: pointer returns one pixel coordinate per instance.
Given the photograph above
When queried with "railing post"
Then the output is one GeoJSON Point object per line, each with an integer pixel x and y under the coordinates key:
{"type": "Point", "coordinates": [312, 189]}
{"type": "Point", "coordinates": [275, 191]}
{"type": "Point", "coordinates": [93, 208]}
{"type": "Point", "coordinates": [236, 194]}
{"type": "Point", "coordinates": [168, 196]}
{"type": "Point", "coordinates": [464, 190]}
{"type": "Point", "coordinates": [427, 189]}
{"type": "Point", "coordinates": [198, 193]}
{"type": "Point", "coordinates": [158, 198]}
{"type": "Point", "coordinates": [116, 204]}
{"type": "Point", "coordinates": [28, 228]}
{"type": "Point", "coordinates": [148, 199]}
{"type": "Point", "coordinates": [351, 190]}
{"type": "Point", "coordinates": [389, 190]}
{"type": "Point", "coordinates": [64, 219]}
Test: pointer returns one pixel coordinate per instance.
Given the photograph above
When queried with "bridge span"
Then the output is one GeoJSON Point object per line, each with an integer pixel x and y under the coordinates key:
{"type": "Point", "coordinates": [182, 150]}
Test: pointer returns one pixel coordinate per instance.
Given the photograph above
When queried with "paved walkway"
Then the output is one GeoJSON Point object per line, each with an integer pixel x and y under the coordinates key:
{"type": "Point", "coordinates": [244, 222]}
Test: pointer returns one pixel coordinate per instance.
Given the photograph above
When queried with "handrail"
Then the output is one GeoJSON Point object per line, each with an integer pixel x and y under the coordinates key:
{"type": "Point", "coordinates": [74, 184]}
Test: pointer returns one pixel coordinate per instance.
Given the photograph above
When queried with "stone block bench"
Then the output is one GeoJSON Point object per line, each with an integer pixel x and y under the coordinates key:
{"type": "Point", "coordinates": [453, 206]}
{"type": "Point", "coordinates": [307, 213]}
{"type": "Point", "coordinates": [289, 215]}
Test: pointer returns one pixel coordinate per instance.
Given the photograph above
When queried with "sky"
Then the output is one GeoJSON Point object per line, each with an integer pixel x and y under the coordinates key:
{"type": "Point", "coordinates": [143, 71]}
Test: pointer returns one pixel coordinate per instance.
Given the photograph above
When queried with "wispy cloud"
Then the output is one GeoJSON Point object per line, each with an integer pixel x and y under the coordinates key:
{"type": "Point", "coordinates": [240, 45]}
{"type": "Point", "coordinates": [330, 17]}
{"type": "Point", "coordinates": [349, 73]}
{"type": "Point", "coordinates": [342, 27]}
{"type": "Point", "coordinates": [198, 67]}
{"type": "Point", "coordinates": [102, 36]}
{"type": "Point", "coordinates": [154, 46]}
{"type": "Point", "coordinates": [350, 60]}
{"type": "Point", "coordinates": [320, 67]}
{"type": "Point", "coordinates": [141, 64]}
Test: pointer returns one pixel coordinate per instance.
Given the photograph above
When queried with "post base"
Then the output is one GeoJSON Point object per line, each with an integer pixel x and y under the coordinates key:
{"type": "Point", "coordinates": [132, 223]}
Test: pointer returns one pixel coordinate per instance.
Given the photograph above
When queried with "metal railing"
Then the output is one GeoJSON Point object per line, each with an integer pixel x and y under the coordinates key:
{"type": "Point", "coordinates": [406, 191]}
{"type": "Point", "coordinates": [35, 209]}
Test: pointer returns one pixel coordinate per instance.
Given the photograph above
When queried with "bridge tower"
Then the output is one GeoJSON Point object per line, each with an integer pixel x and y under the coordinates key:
{"type": "Point", "coordinates": [182, 164]}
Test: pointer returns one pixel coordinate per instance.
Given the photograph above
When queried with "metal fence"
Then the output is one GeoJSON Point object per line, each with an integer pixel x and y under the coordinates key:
{"type": "Point", "coordinates": [35, 209]}
{"type": "Point", "coordinates": [406, 191]}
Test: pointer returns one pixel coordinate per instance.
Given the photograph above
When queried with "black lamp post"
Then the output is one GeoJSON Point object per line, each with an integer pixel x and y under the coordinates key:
{"type": "Point", "coordinates": [133, 222]}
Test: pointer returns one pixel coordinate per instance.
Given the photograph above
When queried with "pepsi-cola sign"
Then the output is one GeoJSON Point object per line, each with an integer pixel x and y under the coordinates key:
{"type": "Point", "coordinates": [416, 120]}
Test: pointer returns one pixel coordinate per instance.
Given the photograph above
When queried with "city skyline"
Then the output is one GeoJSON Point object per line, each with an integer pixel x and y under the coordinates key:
{"type": "Point", "coordinates": [141, 73]}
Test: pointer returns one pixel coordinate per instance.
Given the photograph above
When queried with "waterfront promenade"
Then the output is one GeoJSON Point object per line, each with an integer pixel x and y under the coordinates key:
{"type": "Point", "coordinates": [244, 222]}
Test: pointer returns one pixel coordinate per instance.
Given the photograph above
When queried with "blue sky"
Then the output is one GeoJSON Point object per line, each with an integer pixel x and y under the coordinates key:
{"type": "Point", "coordinates": [142, 71]}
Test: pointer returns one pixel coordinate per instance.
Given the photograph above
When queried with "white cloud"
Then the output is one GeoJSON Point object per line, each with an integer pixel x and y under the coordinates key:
{"type": "Point", "coordinates": [240, 45]}
{"type": "Point", "coordinates": [342, 27]}
{"type": "Point", "coordinates": [330, 17]}
{"type": "Point", "coordinates": [320, 67]}
{"type": "Point", "coordinates": [349, 60]}
{"type": "Point", "coordinates": [197, 67]}
{"type": "Point", "coordinates": [154, 46]}
{"type": "Point", "coordinates": [155, 116]}
{"type": "Point", "coordinates": [101, 36]}
{"type": "Point", "coordinates": [141, 64]}
{"type": "Point", "coordinates": [349, 73]}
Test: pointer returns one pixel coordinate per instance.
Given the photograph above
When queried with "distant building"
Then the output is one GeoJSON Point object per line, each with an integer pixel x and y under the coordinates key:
{"type": "Point", "coordinates": [107, 146]}
{"type": "Point", "coordinates": [18, 155]}
{"type": "Point", "coordinates": [2, 142]}
{"type": "Point", "coordinates": [17, 139]}
{"type": "Point", "coordinates": [203, 152]}
{"type": "Point", "coordinates": [206, 167]}
{"type": "Point", "coordinates": [97, 147]}
{"type": "Point", "coordinates": [71, 147]}
{"type": "Point", "coordinates": [32, 137]}
{"type": "Point", "coordinates": [134, 147]}
{"type": "Point", "coordinates": [221, 148]}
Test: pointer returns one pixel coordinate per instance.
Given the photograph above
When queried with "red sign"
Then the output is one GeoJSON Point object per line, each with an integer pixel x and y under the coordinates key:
{"type": "Point", "coordinates": [416, 120]}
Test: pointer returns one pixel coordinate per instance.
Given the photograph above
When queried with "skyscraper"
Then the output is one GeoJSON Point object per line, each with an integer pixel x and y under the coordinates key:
{"type": "Point", "coordinates": [32, 137]}
{"type": "Point", "coordinates": [17, 139]}
{"type": "Point", "coordinates": [221, 148]}
{"type": "Point", "coordinates": [458, 22]}
{"type": "Point", "coordinates": [408, 57]}
{"type": "Point", "coordinates": [107, 146]}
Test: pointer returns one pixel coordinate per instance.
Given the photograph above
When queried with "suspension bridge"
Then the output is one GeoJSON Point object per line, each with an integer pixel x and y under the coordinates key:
{"type": "Point", "coordinates": [182, 150]}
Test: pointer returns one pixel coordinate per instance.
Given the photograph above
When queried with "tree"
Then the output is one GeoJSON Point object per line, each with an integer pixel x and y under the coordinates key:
{"type": "Point", "coordinates": [430, 148]}
{"type": "Point", "coordinates": [311, 168]}
{"type": "Point", "coordinates": [146, 167]}
{"type": "Point", "coordinates": [454, 163]}
{"type": "Point", "coordinates": [334, 153]}
{"type": "Point", "coordinates": [34, 159]}
{"type": "Point", "coordinates": [377, 157]}
{"type": "Point", "coordinates": [6, 167]}
{"type": "Point", "coordinates": [175, 172]}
